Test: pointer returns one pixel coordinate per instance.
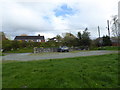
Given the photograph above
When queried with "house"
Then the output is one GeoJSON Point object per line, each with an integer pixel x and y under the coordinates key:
{"type": "Point", "coordinates": [115, 41]}
{"type": "Point", "coordinates": [30, 38]}
{"type": "Point", "coordinates": [52, 39]}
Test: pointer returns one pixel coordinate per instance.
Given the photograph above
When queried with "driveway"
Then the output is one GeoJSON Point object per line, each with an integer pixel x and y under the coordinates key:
{"type": "Point", "coordinates": [29, 56]}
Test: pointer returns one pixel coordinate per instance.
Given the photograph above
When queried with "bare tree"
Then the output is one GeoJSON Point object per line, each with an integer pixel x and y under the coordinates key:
{"type": "Point", "coordinates": [114, 27]}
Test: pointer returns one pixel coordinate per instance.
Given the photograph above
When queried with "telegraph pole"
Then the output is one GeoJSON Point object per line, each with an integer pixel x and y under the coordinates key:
{"type": "Point", "coordinates": [108, 28]}
{"type": "Point", "coordinates": [99, 36]}
{"type": "Point", "coordinates": [99, 31]}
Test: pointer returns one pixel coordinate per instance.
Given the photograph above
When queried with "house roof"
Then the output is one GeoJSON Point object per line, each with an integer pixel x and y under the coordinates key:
{"type": "Point", "coordinates": [29, 37]}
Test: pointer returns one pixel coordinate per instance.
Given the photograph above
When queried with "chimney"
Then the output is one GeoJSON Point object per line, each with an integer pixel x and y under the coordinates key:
{"type": "Point", "coordinates": [38, 34]}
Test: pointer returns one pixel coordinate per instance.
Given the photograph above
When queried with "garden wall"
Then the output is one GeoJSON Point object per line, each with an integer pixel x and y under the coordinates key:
{"type": "Point", "coordinates": [40, 50]}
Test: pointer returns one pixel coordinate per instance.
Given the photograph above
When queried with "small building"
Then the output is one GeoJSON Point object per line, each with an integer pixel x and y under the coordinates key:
{"type": "Point", "coordinates": [30, 38]}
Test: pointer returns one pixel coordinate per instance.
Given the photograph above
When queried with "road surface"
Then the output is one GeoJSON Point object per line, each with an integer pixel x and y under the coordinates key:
{"type": "Point", "coordinates": [28, 56]}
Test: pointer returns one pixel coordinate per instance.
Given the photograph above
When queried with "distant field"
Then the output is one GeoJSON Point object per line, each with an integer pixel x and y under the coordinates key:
{"type": "Point", "coordinates": [80, 72]}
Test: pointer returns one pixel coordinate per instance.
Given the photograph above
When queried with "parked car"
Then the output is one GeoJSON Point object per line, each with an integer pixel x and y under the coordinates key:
{"type": "Point", "coordinates": [63, 49]}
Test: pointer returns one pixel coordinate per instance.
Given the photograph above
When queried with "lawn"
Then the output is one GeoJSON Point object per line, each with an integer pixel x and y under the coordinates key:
{"type": "Point", "coordinates": [79, 72]}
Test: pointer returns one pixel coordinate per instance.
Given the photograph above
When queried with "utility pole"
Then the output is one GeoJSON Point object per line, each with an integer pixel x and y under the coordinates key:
{"type": "Point", "coordinates": [99, 31]}
{"type": "Point", "coordinates": [99, 36]}
{"type": "Point", "coordinates": [108, 28]}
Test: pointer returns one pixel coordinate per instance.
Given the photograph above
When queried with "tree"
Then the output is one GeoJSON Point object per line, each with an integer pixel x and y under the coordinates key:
{"type": "Point", "coordinates": [69, 39]}
{"type": "Point", "coordinates": [106, 41]}
{"type": "Point", "coordinates": [115, 25]}
{"type": "Point", "coordinates": [23, 35]}
{"type": "Point", "coordinates": [86, 41]}
{"type": "Point", "coordinates": [79, 35]}
{"type": "Point", "coordinates": [97, 42]}
{"type": "Point", "coordinates": [58, 38]}
{"type": "Point", "coordinates": [6, 45]}
{"type": "Point", "coordinates": [79, 39]}
{"type": "Point", "coordinates": [3, 36]}
{"type": "Point", "coordinates": [15, 44]}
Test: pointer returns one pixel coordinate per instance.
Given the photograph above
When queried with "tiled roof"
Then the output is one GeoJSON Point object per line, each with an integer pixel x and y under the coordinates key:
{"type": "Point", "coordinates": [29, 37]}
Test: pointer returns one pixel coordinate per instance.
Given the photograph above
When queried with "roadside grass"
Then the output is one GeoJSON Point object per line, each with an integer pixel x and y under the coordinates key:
{"type": "Point", "coordinates": [79, 72]}
{"type": "Point", "coordinates": [0, 75]}
{"type": "Point", "coordinates": [21, 50]}
{"type": "Point", "coordinates": [0, 72]}
{"type": "Point", "coordinates": [1, 54]}
{"type": "Point", "coordinates": [107, 48]}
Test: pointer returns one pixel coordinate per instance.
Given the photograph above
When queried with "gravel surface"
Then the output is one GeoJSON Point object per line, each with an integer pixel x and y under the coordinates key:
{"type": "Point", "coordinates": [28, 56]}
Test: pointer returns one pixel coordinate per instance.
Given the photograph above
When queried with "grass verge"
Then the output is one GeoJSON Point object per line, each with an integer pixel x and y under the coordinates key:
{"type": "Point", "coordinates": [107, 48]}
{"type": "Point", "coordinates": [1, 54]}
{"type": "Point", "coordinates": [80, 72]}
{"type": "Point", "coordinates": [21, 50]}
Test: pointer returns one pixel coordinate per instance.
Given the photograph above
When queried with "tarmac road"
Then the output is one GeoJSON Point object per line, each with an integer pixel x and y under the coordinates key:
{"type": "Point", "coordinates": [28, 56]}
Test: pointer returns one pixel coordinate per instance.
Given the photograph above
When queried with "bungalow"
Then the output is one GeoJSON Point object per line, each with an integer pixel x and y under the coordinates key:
{"type": "Point", "coordinates": [30, 38]}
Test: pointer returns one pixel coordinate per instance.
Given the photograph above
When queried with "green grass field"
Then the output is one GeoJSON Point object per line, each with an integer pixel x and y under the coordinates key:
{"type": "Point", "coordinates": [80, 72]}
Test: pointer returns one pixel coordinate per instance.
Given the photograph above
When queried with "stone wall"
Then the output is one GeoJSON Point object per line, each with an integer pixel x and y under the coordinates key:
{"type": "Point", "coordinates": [40, 50]}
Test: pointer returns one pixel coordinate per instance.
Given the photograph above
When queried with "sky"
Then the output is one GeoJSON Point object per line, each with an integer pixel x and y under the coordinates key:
{"type": "Point", "coordinates": [53, 17]}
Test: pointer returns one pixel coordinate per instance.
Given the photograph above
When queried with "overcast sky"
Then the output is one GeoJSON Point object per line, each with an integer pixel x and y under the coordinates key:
{"type": "Point", "coordinates": [52, 17]}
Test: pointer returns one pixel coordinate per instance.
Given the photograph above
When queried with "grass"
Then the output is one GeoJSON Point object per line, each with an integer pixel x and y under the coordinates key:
{"type": "Point", "coordinates": [107, 48]}
{"type": "Point", "coordinates": [21, 50]}
{"type": "Point", "coordinates": [1, 54]}
{"type": "Point", "coordinates": [79, 72]}
{"type": "Point", "coordinates": [0, 73]}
